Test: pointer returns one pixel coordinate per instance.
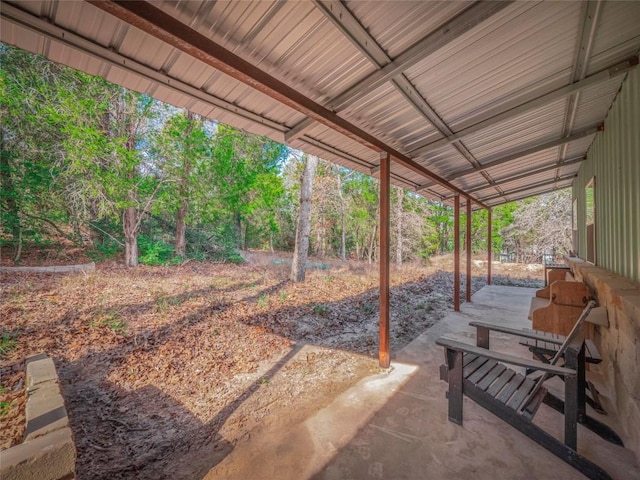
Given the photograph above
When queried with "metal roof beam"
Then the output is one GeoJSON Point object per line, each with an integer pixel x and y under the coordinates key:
{"type": "Point", "coordinates": [532, 187]}
{"type": "Point", "coordinates": [590, 19]}
{"type": "Point", "coordinates": [454, 28]}
{"type": "Point", "coordinates": [165, 27]}
{"type": "Point", "coordinates": [502, 181]}
{"type": "Point", "coordinates": [334, 151]}
{"type": "Point", "coordinates": [490, 163]}
{"type": "Point", "coordinates": [351, 28]}
{"type": "Point", "coordinates": [528, 195]}
{"type": "Point", "coordinates": [496, 116]}
{"type": "Point", "coordinates": [42, 27]}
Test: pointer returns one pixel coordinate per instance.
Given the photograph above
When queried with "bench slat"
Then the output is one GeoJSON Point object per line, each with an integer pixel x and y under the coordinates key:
{"type": "Point", "coordinates": [510, 387]}
{"type": "Point", "coordinates": [502, 380]}
{"type": "Point", "coordinates": [468, 358]}
{"type": "Point", "coordinates": [480, 373]}
{"type": "Point", "coordinates": [519, 395]}
{"type": "Point", "coordinates": [473, 366]}
{"type": "Point", "coordinates": [490, 377]}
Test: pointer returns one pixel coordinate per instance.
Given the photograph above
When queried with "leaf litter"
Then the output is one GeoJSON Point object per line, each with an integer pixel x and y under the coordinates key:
{"type": "Point", "coordinates": [165, 369]}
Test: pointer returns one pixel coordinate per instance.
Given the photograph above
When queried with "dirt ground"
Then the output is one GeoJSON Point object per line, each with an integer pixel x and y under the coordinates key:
{"type": "Point", "coordinates": [165, 369]}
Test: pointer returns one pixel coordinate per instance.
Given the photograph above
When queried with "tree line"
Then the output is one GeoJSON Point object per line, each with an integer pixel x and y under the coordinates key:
{"type": "Point", "coordinates": [118, 172]}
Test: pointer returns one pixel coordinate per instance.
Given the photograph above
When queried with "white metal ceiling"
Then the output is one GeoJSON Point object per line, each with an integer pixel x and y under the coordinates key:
{"type": "Point", "coordinates": [509, 78]}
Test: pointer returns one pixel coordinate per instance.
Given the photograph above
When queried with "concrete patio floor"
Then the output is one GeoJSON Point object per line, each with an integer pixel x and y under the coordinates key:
{"type": "Point", "coordinates": [395, 426]}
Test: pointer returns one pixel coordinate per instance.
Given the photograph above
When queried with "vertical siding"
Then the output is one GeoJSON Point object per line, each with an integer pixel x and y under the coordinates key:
{"type": "Point", "coordinates": [614, 160]}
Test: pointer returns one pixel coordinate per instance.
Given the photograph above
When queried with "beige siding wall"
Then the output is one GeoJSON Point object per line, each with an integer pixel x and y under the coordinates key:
{"type": "Point", "coordinates": [614, 161]}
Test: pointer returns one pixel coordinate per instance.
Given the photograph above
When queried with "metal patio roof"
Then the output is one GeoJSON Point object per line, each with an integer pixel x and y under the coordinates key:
{"type": "Point", "coordinates": [493, 100]}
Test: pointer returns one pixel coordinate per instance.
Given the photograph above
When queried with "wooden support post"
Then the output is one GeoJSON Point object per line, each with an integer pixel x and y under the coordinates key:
{"type": "Point", "coordinates": [454, 394]}
{"type": "Point", "coordinates": [456, 254]}
{"type": "Point", "coordinates": [571, 411]}
{"type": "Point", "coordinates": [488, 246]}
{"type": "Point", "coordinates": [468, 248]}
{"type": "Point", "coordinates": [384, 358]}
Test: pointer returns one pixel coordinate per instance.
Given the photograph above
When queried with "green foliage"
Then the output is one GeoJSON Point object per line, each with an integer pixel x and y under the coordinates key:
{"type": "Point", "coordinates": [154, 252]}
{"type": "Point", "coordinates": [320, 309]}
{"type": "Point", "coordinates": [5, 407]}
{"type": "Point", "coordinates": [106, 249]}
{"type": "Point", "coordinates": [8, 343]}
{"type": "Point", "coordinates": [262, 300]}
{"type": "Point", "coordinates": [111, 319]}
{"type": "Point", "coordinates": [78, 153]}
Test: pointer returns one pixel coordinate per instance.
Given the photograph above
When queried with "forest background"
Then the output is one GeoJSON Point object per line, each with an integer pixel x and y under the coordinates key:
{"type": "Point", "coordinates": [90, 164]}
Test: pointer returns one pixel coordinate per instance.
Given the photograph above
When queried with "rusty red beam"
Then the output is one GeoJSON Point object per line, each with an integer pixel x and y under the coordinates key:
{"type": "Point", "coordinates": [489, 246]}
{"type": "Point", "coordinates": [155, 22]}
{"type": "Point", "coordinates": [384, 357]}
{"type": "Point", "coordinates": [456, 254]}
{"type": "Point", "coordinates": [468, 248]}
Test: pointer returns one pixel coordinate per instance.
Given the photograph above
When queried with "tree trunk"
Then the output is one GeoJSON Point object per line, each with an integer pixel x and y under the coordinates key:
{"type": "Point", "coordinates": [130, 216]}
{"type": "Point", "coordinates": [372, 241]}
{"type": "Point", "coordinates": [399, 227]}
{"type": "Point", "coordinates": [180, 243]}
{"type": "Point", "coordinates": [343, 236]}
{"type": "Point", "coordinates": [298, 266]}
{"type": "Point", "coordinates": [130, 224]}
{"type": "Point", "coordinates": [245, 235]}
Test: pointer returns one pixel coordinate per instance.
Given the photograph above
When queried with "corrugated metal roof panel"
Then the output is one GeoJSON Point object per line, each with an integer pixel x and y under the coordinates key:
{"type": "Point", "coordinates": [403, 23]}
{"type": "Point", "coordinates": [286, 39]}
{"type": "Point", "coordinates": [525, 45]}
{"type": "Point", "coordinates": [386, 113]}
{"type": "Point", "coordinates": [579, 147]}
{"type": "Point", "coordinates": [594, 103]}
{"type": "Point", "coordinates": [618, 35]}
{"type": "Point", "coordinates": [535, 190]}
{"type": "Point", "coordinates": [531, 127]}
{"type": "Point", "coordinates": [529, 162]}
{"type": "Point", "coordinates": [445, 161]}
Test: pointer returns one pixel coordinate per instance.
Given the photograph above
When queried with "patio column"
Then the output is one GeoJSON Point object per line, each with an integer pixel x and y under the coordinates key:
{"type": "Point", "coordinates": [385, 184]}
{"type": "Point", "coordinates": [456, 254]}
{"type": "Point", "coordinates": [468, 247]}
{"type": "Point", "coordinates": [488, 246]}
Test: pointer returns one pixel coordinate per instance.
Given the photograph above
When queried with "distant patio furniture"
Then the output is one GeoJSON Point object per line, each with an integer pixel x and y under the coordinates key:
{"type": "Point", "coordinates": [480, 374]}
{"type": "Point", "coordinates": [550, 268]}
{"type": "Point", "coordinates": [556, 307]}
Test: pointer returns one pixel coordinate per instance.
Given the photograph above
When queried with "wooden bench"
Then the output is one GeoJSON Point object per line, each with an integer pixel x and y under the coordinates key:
{"type": "Point", "coordinates": [481, 375]}
{"type": "Point", "coordinates": [554, 271]}
{"type": "Point", "coordinates": [545, 347]}
{"type": "Point", "coordinates": [552, 277]}
{"type": "Point", "coordinates": [559, 312]}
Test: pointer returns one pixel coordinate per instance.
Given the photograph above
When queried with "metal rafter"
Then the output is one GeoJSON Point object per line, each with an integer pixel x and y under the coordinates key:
{"type": "Point", "coordinates": [591, 17]}
{"type": "Point", "coordinates": [532, 187]}
{"type": "Point", "coordinates": [502, 181]}
{"type": "Point", "coordinates": [519, 105]}
{"type": "Point", "coordinates": [494, 162]}
{"type": "Point", "coordinates": [527, 195]}
{"type": "Point", "coordinates": [454, 28]}
{"type": "Point", "coordinates": [165, 27]}
{"type": "Point", "coordinates": [351, 28]}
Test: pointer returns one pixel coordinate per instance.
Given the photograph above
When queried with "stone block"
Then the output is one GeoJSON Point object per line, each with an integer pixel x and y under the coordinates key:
{"type": "Point", "coordinates": [45, 410]}
{"type": "Point", "coordinates": [40, 370]}
{"type": "Point", "coordinates": [49, 457]}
